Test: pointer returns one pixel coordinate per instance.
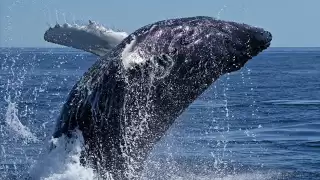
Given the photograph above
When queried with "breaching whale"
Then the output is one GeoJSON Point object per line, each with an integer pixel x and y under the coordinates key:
{"type": "Point", "coordinates": [130, 97]}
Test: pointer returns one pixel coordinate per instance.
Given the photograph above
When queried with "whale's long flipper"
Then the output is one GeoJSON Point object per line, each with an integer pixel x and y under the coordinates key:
{"type": "Point", "coordinates": [93, 38]}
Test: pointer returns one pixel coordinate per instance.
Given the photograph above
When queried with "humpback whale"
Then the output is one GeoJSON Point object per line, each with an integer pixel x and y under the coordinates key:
{"type": "Point", "coordinates": [142, 82]}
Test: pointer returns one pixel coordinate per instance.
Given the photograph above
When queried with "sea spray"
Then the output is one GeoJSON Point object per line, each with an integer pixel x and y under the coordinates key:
{"type": "Point", "coordinates": [13, 124]}
{"type": "Point", "coordinates": [63, 161]}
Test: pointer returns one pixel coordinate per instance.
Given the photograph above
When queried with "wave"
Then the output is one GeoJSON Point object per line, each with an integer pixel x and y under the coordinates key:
{"type": "Point", "coordinates": [304, 72]}
{"type": "Point", "coordinates": [243, 176]}
{"type": "Point", "coordinates": [292, 102]}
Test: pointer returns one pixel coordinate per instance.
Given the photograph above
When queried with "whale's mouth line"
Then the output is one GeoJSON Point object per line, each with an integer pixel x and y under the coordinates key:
{"type": "Point", "coordinates": [237, 64]}
{"type": "Point", "coordinates": [259, 49]}
{"type": "Point", "coordinates": [267, 45]}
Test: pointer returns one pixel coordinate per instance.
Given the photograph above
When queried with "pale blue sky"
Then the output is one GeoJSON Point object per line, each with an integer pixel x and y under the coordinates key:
{"type": "Point", "coordinates": [293, 23]}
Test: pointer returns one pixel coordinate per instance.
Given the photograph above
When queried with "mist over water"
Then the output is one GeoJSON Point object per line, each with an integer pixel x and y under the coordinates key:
{"type": "Point", "coordinates": [258, 123]}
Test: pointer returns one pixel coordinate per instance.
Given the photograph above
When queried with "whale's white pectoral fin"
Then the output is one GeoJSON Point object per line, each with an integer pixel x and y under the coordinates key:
{"type": "Point", "coordinates": [93, 38]}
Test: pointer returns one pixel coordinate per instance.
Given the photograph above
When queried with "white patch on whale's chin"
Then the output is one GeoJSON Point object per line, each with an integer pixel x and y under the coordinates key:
{"type": "Point", "coordinates": [131, 56]}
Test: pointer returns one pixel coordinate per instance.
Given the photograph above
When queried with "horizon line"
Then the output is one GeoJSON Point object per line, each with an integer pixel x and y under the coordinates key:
{"type": "Point", "coordinates": [44, 47]}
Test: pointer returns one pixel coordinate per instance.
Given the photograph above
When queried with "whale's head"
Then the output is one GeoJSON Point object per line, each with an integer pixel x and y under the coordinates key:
{"type": "Point", "coordinates": [200, 44]}
{"type": "Point", "coordinates": [188, 54]}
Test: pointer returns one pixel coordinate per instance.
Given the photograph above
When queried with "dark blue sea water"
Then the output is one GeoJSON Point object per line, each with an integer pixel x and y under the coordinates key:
{"type": "Point", "coordinates": [262, 122]}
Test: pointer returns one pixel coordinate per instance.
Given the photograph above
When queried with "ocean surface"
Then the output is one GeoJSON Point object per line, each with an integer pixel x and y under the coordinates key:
{"type": "Point", "coordinates": [259, 123]}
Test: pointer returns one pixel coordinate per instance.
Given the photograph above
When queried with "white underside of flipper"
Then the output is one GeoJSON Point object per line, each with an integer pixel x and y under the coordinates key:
{"type": "Point", "coordinates": [93, 38]}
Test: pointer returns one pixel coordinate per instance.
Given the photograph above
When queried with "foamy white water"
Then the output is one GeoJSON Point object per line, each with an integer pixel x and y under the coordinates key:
{"type": "Point", "coordinates": [63, 161]}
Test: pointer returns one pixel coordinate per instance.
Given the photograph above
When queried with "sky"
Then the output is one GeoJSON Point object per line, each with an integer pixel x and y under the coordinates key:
{"type": "Point", "coordinates": [293, 23]}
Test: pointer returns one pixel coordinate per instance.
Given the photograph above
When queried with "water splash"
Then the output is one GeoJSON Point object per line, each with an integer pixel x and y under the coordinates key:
{"type": "Point", "coordinates": [13, 91]}
{"type": "Point", "coordinates": [63, 161]}
{"type": "Point", "coordinates": [221, 152]}
{"type": "Point", "coordinates": [13, 124]}
{"type": "Point", "coordinates": [17, 109]}
{"type": "Point", "coordinates": [221, 11]}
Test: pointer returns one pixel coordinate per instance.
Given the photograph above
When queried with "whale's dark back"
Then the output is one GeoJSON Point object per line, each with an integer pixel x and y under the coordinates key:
{"type": "Point", "coordinates": [124, 106]}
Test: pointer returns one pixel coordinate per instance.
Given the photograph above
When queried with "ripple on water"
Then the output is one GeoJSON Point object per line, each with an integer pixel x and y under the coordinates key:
{"type": "Point", "coordinates": [293, 102]}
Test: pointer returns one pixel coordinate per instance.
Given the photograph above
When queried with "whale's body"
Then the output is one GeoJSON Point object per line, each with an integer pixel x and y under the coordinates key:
{"type": "Point", "coordinates": [130, 97]}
